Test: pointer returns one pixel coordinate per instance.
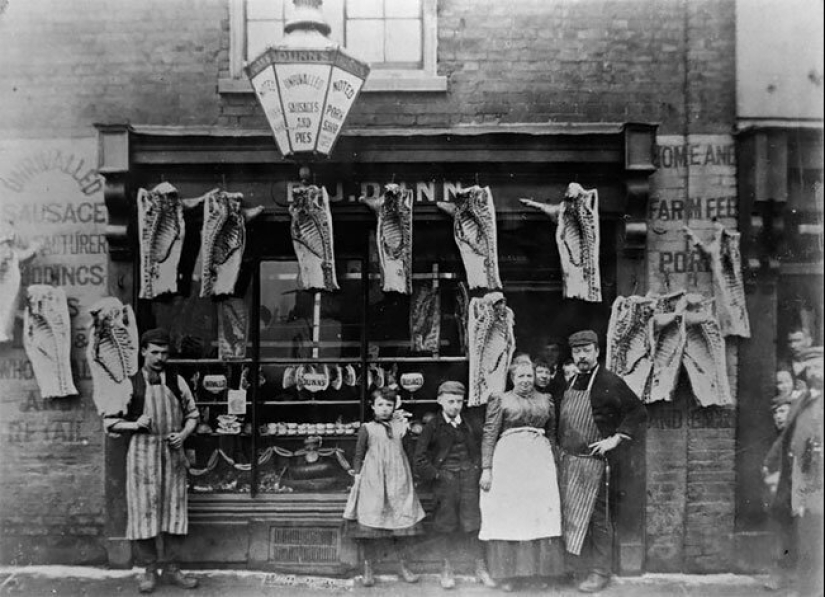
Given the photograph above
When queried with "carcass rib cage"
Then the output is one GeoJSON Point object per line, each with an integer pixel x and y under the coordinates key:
{"type": "Point", "coordinates": [112, 354]}
{"type": "Point", "coordinates": [728, 286]}
{"type": "Point", "coordinates": [629, 341]}
{"type": "Point", "coordinates": [681, 332]}
{"type": "Point", "coordinates": [704, 359]}
{"type": "Point", "coordinates": [668, 341]}
{"type": "Point", "coordinates": [223, 238]}
{"type": "Point", "coordinates": [578, 239]}
{"type": "Point", "coordinates": [311, 232]}
{"type": "Point", "coordinates": [161, 230]}
{"type": "Point", "coordinates": [9, 287]}
{"type": "Point", "coordinates": [491, 346]}
{"type": "Point", "coordinates": [47, 338]}
{"type": "Point", "coordinates": [425, 319]}
{"type": "Point", "coordinates": [394, 210]}
{"type": "Point", "coordinates": [475, 233]}
{"type": "Point", "coordinates": [233, 327]}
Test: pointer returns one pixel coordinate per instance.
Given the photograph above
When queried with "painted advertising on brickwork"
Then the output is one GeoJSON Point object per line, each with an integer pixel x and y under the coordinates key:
{"type": "Point", "coordinates": [691, 433]}
{"type": "Point", "coordinates": [54, 218]}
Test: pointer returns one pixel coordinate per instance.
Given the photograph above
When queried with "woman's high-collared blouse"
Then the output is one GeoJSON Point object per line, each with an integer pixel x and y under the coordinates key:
{"type": "Point", "coordinates": [508, 411]}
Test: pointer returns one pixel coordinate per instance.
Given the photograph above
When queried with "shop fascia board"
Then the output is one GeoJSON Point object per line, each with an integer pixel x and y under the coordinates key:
{"type": "Point", "coordinates": [601, 143]}
{"type": "Point", "coordinates": [626, 149]}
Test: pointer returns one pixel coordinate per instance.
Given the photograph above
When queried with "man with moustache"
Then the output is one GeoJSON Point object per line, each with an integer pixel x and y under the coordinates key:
{"type": "Point", "coordinates": [160, 415]}
{"type": "Point", "coordinates": [598, 413]}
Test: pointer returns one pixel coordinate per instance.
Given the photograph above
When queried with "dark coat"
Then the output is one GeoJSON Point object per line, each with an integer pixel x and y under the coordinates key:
{"type": "Point", "coordinates": [616, 409]}
{"type": "Point", "coordinates": [435, 441]}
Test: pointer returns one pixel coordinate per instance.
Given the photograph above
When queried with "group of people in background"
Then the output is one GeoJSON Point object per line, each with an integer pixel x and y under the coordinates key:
{"type": "Point", "coordinates": [793, 468]}
{"type": "Point", "coordinates": [524, 492]}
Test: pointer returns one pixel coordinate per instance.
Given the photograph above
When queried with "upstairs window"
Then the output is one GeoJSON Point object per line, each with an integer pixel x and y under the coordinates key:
{"type": "Point", "coordinates": [398, 38]}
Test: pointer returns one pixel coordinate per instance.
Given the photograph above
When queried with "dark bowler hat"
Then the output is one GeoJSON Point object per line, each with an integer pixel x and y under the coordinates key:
{"type": "Point", "coordinates": [155, 336]}
{"type": "Point", "coordinates": [451, 387]}
{"type": "Point", "coordinates": [583, 338]}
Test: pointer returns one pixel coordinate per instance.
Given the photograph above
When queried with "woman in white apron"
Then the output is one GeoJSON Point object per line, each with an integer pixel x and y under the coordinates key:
{"type": "Point", "coordinates": [520, 505]}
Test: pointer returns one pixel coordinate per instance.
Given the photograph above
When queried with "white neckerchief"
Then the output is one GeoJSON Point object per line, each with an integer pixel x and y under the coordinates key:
{"type": "Point", "coordinates": [454, 422]}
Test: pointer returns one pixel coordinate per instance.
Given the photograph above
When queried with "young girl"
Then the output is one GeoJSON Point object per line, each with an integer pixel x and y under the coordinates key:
{"type": "Point", "coordinates": [382, 504]}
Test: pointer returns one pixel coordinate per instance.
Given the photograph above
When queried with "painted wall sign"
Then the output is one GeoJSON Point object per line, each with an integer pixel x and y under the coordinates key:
{"type": "Point", "coordinates": [51, 195]}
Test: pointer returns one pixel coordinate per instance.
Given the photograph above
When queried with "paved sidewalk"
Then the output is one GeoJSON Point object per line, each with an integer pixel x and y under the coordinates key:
{"type": "Point", "coordinates": [48, 581]}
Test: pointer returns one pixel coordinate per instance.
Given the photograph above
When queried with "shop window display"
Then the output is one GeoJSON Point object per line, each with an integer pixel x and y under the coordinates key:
{"type": "Point", "coordinates": [281, 405]}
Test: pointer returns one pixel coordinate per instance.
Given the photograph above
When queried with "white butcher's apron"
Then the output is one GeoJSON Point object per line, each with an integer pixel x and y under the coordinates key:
{"type": "Point", "coordinates": [155, 473]}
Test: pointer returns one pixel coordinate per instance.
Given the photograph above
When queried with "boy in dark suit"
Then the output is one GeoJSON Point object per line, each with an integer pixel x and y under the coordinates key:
{"type": "Point", "coordinates": [447, 453]}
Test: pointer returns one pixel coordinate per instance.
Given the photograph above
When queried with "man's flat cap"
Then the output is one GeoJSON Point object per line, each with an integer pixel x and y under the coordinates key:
{"type": "Point", "coordinates": [451, 387]}
{"type": "Point", "coordinates": [583, 338]}
{"type": "Point", "coordinates": [155, 336]}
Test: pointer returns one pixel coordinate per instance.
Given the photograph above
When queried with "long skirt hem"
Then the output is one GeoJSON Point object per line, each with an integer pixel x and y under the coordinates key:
{"type": "Point", "coordinates": [355, 530]}
{"type": "Point", "coordinates": [512, 559]}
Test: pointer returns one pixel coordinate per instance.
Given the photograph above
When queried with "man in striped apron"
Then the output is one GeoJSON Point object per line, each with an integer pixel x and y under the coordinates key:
{"type": "Point", "coordinates": [160, 415]}
{"type": "Point", "coordinates": [598, 412]}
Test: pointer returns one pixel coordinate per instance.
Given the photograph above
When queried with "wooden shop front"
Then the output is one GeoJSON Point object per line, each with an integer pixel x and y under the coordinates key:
{"type": "Point", "coordinates": [262, 495]}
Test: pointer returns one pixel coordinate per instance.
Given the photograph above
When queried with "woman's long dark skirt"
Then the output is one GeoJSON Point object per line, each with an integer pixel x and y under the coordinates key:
{"type": "Point", "coordinates": [511, 559]}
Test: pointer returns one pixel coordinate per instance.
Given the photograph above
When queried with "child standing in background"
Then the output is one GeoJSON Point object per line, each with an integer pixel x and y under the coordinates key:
{"type": "Point", "coordinates": [448, 454]}
{"type": "Point", "coordinates": [382, 505]}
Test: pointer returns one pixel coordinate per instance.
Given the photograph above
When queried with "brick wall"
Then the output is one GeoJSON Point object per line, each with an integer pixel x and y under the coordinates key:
{"type": "Point", "coordinates": [158, 62]}
{"type": "Point", "coordinates": [67, 65]}
{"type": "Point", "coordinates": [51, 498]}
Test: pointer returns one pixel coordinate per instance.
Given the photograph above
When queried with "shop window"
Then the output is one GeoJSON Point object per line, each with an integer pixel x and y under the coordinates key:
{"type": "Point", "coordinates": [283, 416]}
{"type": "Point", "coordinates": [397, 38]}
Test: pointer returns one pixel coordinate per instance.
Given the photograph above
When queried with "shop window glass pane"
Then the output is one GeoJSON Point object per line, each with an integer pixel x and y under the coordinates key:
{"type": "Point", "coordinates": [265, 9]}
{"type": "Point", "coordinates": [429, 322]}
{"type": "Point", "coordinates": [220, 450]}
{"type": "Point", "coordinates": [313, 409]}
{"type": "Point", "coordinates": [365, 39]}
{"type": "Point", "coordinates": [261, 35]}
{"type": "Point", "coordinates": [402, 41]}
{"type": "Point", "coordinates": [365, 9]}
{"type": "Point", "coordinates": [333, 11]}
{"type": "Point", "coordinates": [303, 324]}
{"type": "Point", "coordinates": [399, 9]}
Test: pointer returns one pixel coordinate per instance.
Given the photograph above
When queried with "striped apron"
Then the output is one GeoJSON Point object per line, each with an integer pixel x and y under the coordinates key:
{"type": "Point", "coordinates": [156, 474]}
{"type": "Point", "coordinates": [581, 474]}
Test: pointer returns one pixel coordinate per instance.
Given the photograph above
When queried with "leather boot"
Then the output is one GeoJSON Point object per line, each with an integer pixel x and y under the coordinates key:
{"type": "Point", "coordinates": [368, 580]}
{"type": "Point", "coordinates": [148, 581]}
{"type": "Point", "coordinates": [483, 576]}
{"type": "Point", "coordinates": [447, 576]}
{"type": "Point", "coordinates": [174, 576]}
{"type": "Point", "coordinates": [594, 583]}
{"type": "Point", "coordinates": [407, 574]}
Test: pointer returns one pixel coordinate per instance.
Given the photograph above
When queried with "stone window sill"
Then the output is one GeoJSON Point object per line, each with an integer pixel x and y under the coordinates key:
{"type": "Point", "coordinates": [377, 82]}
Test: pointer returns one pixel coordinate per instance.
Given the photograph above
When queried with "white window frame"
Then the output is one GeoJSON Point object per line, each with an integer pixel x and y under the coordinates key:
{"type": "Point", "coordinates": [379, 80]}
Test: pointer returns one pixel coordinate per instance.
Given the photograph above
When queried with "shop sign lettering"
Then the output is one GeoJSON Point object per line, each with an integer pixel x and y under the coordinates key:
{"type": "Point", "coordinates": [667, 210]}
{"type": "Point", "coordinates": [423, 191]}
{"type": "Point", "coordinates": [53, 160]}
{"type": "Point", "coordinates": [682, 262]}
{"type": "Point", "coordinates": [21, 368]}
{"type": "Point", "coordinates": [66, 431]}
{"type": "Point", "coordinates": [35, 403]}
{"type": "Point", "coordinates": [54, 212]}
{"type": "Point", "coordinates": [65, 275]}
{"type": "Point", "coordinates": [705, 418]}
{"type": "Point", "coordinates": [695, 154]}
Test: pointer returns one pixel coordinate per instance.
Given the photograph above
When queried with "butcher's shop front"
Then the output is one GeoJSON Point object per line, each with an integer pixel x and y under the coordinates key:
{"type": "Point", "coordinates": [365, 270]}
